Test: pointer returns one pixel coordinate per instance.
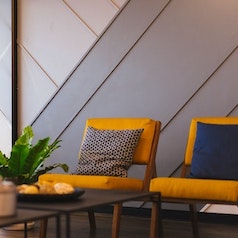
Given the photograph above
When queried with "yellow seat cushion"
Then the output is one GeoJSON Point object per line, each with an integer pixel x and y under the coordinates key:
{"type": "Point", "coordinates": [199, 189]}
{"type": "Point", "coordinates": [95, 182]}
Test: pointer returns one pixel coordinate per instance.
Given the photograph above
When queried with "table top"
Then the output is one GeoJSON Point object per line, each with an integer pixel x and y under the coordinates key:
{"type": "Point", "coordinates": [24, 215]}
{"type": "Point", "coordinates": [90, 199]}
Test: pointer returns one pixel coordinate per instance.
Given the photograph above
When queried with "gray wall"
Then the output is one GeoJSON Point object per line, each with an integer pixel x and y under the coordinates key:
{"type": "Point", "coordinates": [168, 60]}
{"type": "Point", "coordinates": [176, 62]}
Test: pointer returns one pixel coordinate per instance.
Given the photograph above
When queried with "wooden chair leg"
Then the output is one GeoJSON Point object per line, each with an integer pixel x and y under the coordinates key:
{"type": "Point", "coordinates": [193, 212]}
{"type": "Point", "coordinates": [91, 217]}
{"type": "Point", "coordinates": [43, 227]}
{"type": "Point", "coordinates": [116, 220]}
{"type": "Point", "coordinates": [156, 229]}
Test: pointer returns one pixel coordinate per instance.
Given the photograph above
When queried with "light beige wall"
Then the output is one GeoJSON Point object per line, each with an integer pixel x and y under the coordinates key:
{"type": "Point", "coordinates": [5, 76]}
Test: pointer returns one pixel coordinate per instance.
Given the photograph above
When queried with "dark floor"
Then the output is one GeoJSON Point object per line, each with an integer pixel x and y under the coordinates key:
{"type": "Point", "coordinates": [132, 227]}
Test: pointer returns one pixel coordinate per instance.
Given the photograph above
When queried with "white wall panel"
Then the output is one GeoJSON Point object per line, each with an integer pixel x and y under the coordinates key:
{"type": "Point", "coordinates": [6, 134]}
{"type": "Point", "coordinates": [95, 13]}
{"type": "Point", "coordinates": [119, 3]}
{"type": "Point", "coordinates": [54, 36]}
{"type": "Point", "coordinates": [35, 89]}
{"type": "Point", "coordinates": [4, 41]}
{"type": "Point", "coordinates": [5, 24]}
{"type": "Point", "coordinates": [6, 83]}
{"type": "Point", "coordinates": [5, 76]}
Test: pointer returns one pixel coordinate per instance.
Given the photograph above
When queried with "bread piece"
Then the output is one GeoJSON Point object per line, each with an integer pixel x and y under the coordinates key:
{"type": "Point", "coordinates": [63, 188]}
{"type": "Point", "coordinates": [46, 187]}
{"type": "Point", "coordinates": [28, 189]}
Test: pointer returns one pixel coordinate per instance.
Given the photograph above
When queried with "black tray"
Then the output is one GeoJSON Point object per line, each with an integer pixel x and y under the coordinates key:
{"type": "Point", "coordinates": [50, 197]}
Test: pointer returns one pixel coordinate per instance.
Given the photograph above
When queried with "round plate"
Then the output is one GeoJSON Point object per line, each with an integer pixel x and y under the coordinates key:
{"type": "Point", "coordinates": [50, 197]}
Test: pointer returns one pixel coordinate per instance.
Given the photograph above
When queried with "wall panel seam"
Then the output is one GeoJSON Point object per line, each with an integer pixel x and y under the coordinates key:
{"type": "Point", "coordinates": [81, 60]}
{"type": "Point", "coordinates": [114, 4]}
{"type": "Point", "coordinates": [108, 75]}
{"type": "Point", "coordinates": [5, 50]}
{"type": "Point", "coordinates": [233, 109]}
{"type": "Point", "coordinates": [79, 18]}
{"type": "Point", "coordinates": [87, 53]}
{"type": "Point", "coordinates": [37, 63]}
{"type": "Point", "coordinates": [200, 87]}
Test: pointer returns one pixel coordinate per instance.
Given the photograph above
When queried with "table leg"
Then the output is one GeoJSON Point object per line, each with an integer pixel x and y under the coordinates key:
{"type": "Point", "coordinates": [25, 229]}
{"type": "Point", "coordinates": [156, 229]}
{"type": "Point", "coordinates": [67, 228]}
{"type": "Point", "coordinates": [43, 227]}
{"type": "Point", "coordinates": [57, 218]}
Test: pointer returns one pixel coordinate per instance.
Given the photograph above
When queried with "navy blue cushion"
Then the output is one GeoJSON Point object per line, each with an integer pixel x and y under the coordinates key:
{"type": "Point", "coordinates": [215, 153]}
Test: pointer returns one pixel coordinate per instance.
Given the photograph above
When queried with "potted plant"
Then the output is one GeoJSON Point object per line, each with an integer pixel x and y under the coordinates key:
{"type": "Point", "coordinates": [26, 161]}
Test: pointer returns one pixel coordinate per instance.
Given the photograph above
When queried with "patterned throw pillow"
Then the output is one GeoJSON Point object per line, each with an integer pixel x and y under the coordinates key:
{"type": "Point", "coordinates": [107, 152]}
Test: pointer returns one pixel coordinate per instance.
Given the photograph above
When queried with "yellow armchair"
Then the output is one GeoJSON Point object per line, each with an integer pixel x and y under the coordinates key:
{"type": "Point", "coordinates": [144, 155]}
{"type": "Point", "coordinates": [207, 176]}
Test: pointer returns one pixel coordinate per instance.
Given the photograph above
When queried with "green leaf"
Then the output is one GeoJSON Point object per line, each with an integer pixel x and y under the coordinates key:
{"type": "Point", "coordinates": [17, 159]}
{"type": "Point", "coordinates": [19, 153]}
{"type": "Point", "coordinates": [36, 156]}
{"type": "Point", "coordinates": [26, 160]}
{"type": "Point", "coordinates": [34, 177]}
{"type": "Point", "coordinates": [26, 137]}
{"type": "Point", "coordinates": [4, 171]}
{"type": "Point", "coordinates": [3, 159]}
{"type": "Point", "coordinates": [48, 151]}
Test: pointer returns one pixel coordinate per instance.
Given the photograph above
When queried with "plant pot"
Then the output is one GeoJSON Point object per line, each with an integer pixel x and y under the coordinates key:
{"type": "Point", "coordinates": [7, 199]}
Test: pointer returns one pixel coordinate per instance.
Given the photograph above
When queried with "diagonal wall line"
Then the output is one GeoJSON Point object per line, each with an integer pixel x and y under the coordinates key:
{"type": "Point", "coordinates": [97, 66]}
{"type": "Point", "coordinates": [81, 19]}
{"type": "Point", "coordinates": [119, 62]}
{"type": "Point", "coordinates": [5, 50]}
{"type": "Point", "coordinates": [201, 86]}
{"type": "Point", "coordinates": [38, 64]}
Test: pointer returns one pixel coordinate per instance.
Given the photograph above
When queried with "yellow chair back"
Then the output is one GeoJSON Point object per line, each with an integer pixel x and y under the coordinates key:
{"type": "Point", "coordinates": [147, 139]}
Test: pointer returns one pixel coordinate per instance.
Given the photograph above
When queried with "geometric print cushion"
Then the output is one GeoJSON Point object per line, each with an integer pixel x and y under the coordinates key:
{"type": "Point", "coordinates": [107, 152]}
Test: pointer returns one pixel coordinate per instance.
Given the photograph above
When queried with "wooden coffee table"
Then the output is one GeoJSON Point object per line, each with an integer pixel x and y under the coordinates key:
{"type": "Point", "coordinates": [93, 198]}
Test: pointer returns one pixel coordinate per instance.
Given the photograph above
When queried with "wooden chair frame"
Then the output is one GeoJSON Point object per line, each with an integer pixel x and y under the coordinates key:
{"type": "Point", "coordinates": [150, 173]}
